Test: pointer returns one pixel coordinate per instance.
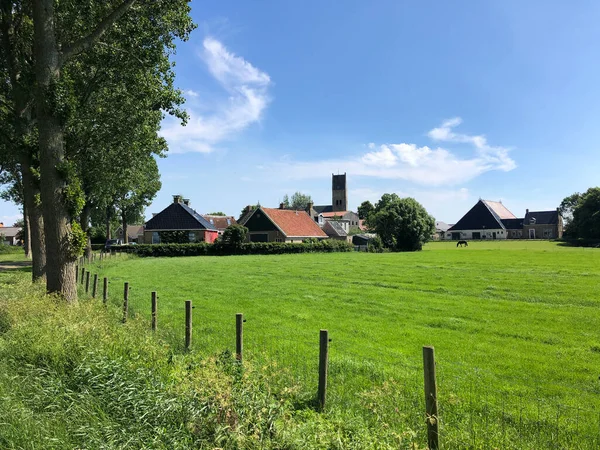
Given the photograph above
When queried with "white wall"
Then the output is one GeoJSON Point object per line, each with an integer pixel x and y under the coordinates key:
{"type": "Point", "coordinates": [468, 234]}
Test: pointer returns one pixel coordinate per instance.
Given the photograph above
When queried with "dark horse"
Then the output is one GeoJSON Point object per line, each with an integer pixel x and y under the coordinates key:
{"type": "Point", "coordinates": [461, 243]}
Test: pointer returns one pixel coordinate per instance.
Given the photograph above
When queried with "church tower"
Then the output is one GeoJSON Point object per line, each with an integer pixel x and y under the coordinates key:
{"type": "Point", "coordinates": [339, 193]}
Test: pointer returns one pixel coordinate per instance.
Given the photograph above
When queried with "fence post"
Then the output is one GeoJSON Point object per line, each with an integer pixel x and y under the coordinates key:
{"type": "Point", "coordinates": [239, 336]}
{"type": "Point", "coordinates": [105, 291]}
{"type": "Point", "coordinates": [323, 362]}
{"type": "Point", "coordinates": [154, 305]}
{"type": "Point", "coordinates": [77, 273]}
{"type": "Point", "coordinates": [188, 324]}
{"type": "Point", "coordinates": [431, 404]}
{"type": "Point", "coordinates": [82, 273]}
{"type": "Point", "coordinates": [125, 301]}
{"type": "Point", "coordinates": [95, 286]}
{"type": "Point", "coordinates": [87, 281]}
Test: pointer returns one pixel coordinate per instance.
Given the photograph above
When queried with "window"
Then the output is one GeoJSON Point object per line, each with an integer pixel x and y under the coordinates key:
{"type": "Point", "coordinates": [192, 236]}
{"type": "Point", "coordinates": [278, 240]}
{"type": "Point", "coordinates": [155, 237]}
{"type": "Point", "coordinates": [228, 221]}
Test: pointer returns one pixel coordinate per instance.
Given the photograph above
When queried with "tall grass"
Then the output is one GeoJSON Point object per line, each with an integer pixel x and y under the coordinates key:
{"type": "Point", "coordinates": [74, 377]}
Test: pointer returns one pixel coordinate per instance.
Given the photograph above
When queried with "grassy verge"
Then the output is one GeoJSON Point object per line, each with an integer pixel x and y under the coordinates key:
{"type": "Point", "coordinates": [74, 377]}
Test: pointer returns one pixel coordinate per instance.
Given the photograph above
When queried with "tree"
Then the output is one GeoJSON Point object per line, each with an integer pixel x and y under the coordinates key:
{"type": "Point", "coordinates": [63, 31]}
{"type": "Point", "coordinates": [218, 213]}
{"type": "Point", "coordinates": [365, 209]}
{"type": "Point", "coordinates": [403, 224]}
{"type": "Point", "coordinates": [286, 201]}
{"type": "Point", "coordinates": [566, 209]}
{"type": "Point", "coordinates": [586, 215]}
{"type": "Point", "coordinates": [234, 236]}
{"type": "Point", "coordinates": [299, 201]}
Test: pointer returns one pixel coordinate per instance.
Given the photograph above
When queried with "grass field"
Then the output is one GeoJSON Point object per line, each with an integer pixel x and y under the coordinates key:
{"type": "Point", "coordinates": [514, 324]}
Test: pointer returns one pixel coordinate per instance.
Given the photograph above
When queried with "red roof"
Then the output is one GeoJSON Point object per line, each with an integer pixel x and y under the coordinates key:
{"type": "Point", "coordinates": [294, 223]}
{"type": "Point", "coordinates": [220, 222]}
{"type": "Point", "coordinates": [334, 214]}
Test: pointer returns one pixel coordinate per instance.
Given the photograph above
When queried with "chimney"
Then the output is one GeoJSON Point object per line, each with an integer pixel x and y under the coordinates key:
{"type": "Point", "coordinates": [526, 212]}
{"type": "Point", "coordinates": [186, 201]}
{"type": "Point", "coordinates": [309, 207]}
{"type": "Point", "coordinates": [281, 206]}
{"type": "Point", "coordinates": [177, 199]}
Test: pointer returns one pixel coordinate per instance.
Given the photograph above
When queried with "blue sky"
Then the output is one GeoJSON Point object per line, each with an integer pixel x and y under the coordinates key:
{"type": "Point", "coordinates": [446, 102]}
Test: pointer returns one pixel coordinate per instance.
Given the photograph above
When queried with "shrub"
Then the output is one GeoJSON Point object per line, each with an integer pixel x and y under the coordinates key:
{"type": "Point", "coordinates": [248, 248]}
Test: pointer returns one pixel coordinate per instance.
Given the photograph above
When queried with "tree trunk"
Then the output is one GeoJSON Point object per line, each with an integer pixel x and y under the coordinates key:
{"type": "Point", "coordinates": [26, 235]}
{"type": "Point", "coordinates": [60, 270]}
{"type": "Point", "coordinates": [124, 220]}
{"type": "Point", "coordinates": [108, 217]}
{"type": "Point", "coordinates": [35, 221]}
{"type": "Point", "coordinates": [85, 226]}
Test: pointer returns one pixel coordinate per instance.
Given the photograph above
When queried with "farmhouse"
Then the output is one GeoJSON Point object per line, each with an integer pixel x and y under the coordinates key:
{"type": "Point", "coordinates": [178, 223]}
{"type": "Point", "coordinates": [8, 235]}
{"type": "Point", "coordinates": [492, 220]}
{"type": "Point", "coordinates": [135, 233]}
{"type": "Point", "coordinates": [279, 225]}
{"type": "Point", "coordinates": [220, 222]}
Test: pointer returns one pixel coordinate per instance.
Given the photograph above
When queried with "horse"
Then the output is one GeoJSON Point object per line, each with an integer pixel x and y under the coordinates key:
{"type": "Point", "coordinates": [461, 243]}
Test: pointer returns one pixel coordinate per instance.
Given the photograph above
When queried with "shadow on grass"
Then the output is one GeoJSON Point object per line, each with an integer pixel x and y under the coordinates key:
{"type": "Point", "coordinates": [15, 266]}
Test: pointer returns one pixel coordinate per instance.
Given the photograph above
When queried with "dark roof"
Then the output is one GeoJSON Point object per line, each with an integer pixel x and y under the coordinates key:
{"type": "Point", "coordinates": [9, 232]}
{"type": "Point", "coordinates": [323, 208]}
{"type": "Point", "coordinates": [541, 218]}
{"type": "Point", "coordinates": [512, 224]}
{"type": "Point", "coordinates": [334, 228]}
{"type": "Point", "coordinates": [178, 216]}
{"type": "Point", "coordinates": [484, 215]}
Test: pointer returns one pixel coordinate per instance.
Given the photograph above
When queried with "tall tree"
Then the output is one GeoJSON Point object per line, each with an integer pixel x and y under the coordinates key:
{"type": "Point", "coordinates": [17, 126]}
{"type": "Point", "coordinates": [300, 201]}
{"type": "Point", "coordinates": [365, 209]}
{"type": "Point", "coordinates": [586, 215]}
{"type": "Point", "coordinates": [403, 224]}
{"type": "Point", "coordinates": [61, 34]}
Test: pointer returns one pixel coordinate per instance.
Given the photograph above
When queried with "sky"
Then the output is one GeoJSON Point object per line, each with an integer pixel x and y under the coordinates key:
{"type": "Point", "coordinates": [445, 102]}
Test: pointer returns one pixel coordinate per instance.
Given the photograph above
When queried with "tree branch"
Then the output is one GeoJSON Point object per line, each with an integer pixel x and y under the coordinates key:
{"type": "Point", "coordinates": [87, 41]}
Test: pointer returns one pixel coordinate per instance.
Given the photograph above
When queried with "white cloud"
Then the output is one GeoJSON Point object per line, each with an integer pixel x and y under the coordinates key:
{"type": "Point", "coordinates": [420, 165]}
{"type": "Point", "coordinates": [190, 93]}
{"type": "Point", "coordinates": [247, 89]}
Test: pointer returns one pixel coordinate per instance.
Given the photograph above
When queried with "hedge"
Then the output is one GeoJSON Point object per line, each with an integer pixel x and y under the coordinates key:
{"type": "Point", "coordinates": [252, 248]}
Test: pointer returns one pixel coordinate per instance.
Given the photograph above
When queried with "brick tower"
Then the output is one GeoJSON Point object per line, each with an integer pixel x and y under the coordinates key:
{"type": "Point", "coordinates": [339, 193]}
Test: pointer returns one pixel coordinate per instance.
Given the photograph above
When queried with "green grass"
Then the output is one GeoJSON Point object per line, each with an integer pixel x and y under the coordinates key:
{"type": "Point", "coordinates": [514, 324]}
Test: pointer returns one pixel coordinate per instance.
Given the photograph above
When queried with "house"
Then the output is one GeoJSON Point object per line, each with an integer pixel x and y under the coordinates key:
{"type": "Point", "coordinates": [8, 235]}
{"type": "Point", "coordinates": [492, 220]}
{"type": "Point", "coordinates": [335, 230]}
{"type": "Point", "coordinates": [179, 223]}
{"type": "Point", "coordinates": [543, 224]}
{"type": "Point", "coordinates": [483, 221]}
{"type": "Point", "coordinates": [279, 225]}
{"type": "Point", "coordinates": [440, 230]}
{"type": "Point", "coordinates": [135, 233]}
{"type": "Point", "coordinates": [220, 222]}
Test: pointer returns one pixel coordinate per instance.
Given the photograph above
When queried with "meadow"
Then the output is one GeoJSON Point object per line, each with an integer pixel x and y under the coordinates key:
{"type": "Point", "coordinates": [514, 326]}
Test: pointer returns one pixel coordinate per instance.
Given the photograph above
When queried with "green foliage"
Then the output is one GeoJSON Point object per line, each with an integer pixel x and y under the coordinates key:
{"type": "Point", "coordinates": [375, 245]}
{"type": "Point", "coordinates": [401, 223]}
{"type": "Point", "coordinates": [247, 248]}
{"type": "Point", "coordinates": [586, 214]}
{"type": "Point", "coordinates": [77, 241]}
{"type": "Point", "coordinates": [365, 209]}
{"type": "Point", "coordinates": [174, 237]}
{"type": "Point", "coordinates": [298, 201]}
{"type": "Point", "coordinates": [218, 213]}
{"type": "Point", "coordinates": [234, 236]}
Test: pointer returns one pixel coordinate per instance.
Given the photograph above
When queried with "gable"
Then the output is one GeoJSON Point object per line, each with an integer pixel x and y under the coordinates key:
{"type": "Point", "coordinates": [178, 216]}
{"type": "Point", "coordinates": [479, 217]}
{"type": "Point", "coordinates": [259, 221]}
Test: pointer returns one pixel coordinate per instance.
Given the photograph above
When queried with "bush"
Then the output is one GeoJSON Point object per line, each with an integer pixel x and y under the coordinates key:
{"type": "Point", "coordinates": [5, 249]}
{"type": "Point", "coordinates": [248, 248]}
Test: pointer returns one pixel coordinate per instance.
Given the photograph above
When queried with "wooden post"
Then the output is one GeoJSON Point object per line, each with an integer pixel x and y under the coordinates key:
{"type": "Point", "coordinates": [125, 301]}
{"type": "Point", "coordinates": [431, 404]}
{"type": "Point", "coordinates": [188, 324]}
{"type": "Point", "coordinates": [239, 336]}
{"type": "Point", "coordinates": [105, 291]}
{"type": "Point", "coordinates": [95, 286]}
{"type": "Point", "coordinates": [154, 310]}
{"type": "Point", "coordinates": [77, 274]}
{"type": "Point", "coordinates": [87, 281]}
{"type": "Point", "coordinates": [323, 361]}
{"type": "Point", "coordinates": [82, 274]}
